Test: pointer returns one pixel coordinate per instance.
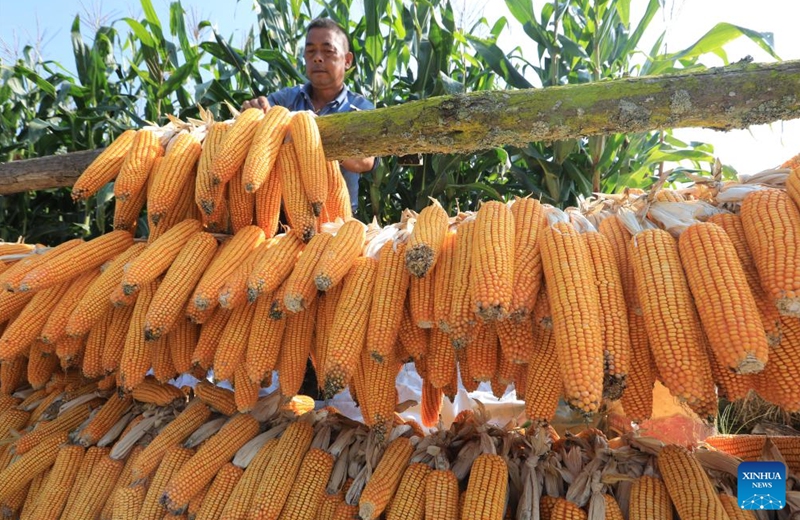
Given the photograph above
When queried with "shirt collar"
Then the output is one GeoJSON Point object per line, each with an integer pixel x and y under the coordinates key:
{"type": "Point", "coordinates": [338, 101]}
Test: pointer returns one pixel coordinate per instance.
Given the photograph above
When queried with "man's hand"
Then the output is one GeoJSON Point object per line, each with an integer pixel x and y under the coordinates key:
{"type": "Point", "coordinates": [259, 102]}
{"type": "Point", "coordinates": [358, 164]}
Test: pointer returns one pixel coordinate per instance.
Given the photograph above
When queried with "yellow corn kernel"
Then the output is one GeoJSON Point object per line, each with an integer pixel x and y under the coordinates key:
{"type": "Point", "coordinates": [486, 489]}
{"type": "Point", "coordinates": [299, 211]}
{"type": "Point", "coordinates": [310, 158]}
{"type": "Point", "coordinates": [688, 484]}
{"type": "Point", "coordinates": [174, 172]}
{"type": "Point", "coordinates": [138, 164]}
{"type": "Point", "coordinates": [300, 290]}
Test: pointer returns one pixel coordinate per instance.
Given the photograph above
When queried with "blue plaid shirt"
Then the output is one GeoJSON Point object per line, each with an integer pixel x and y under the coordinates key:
{"type": "Point", "coordinates": [299, 98]}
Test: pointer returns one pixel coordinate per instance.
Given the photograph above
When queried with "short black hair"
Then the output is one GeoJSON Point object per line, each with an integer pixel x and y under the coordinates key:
{"type": "Point", "coordinates": [327, 23]}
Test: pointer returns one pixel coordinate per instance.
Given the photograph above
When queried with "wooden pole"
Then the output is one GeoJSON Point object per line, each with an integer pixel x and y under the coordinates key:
{"type": "Point", "coordinates": [724, 98]}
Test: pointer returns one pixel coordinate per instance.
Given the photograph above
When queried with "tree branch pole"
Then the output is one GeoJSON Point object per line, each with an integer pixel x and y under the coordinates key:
{"type": "Point", "coordinates": [724, 98]}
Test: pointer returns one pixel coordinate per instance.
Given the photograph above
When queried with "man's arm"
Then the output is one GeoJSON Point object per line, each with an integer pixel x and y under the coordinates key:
{"type": "Point", "coordinates": [358, 164]}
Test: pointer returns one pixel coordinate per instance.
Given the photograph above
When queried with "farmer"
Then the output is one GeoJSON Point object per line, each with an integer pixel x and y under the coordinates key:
{"type": "Point", "coordinates": [327, 58]}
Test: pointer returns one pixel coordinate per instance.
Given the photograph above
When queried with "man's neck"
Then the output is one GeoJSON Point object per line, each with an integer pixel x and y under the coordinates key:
{"type": "Point", "coordinates": [322, 96]}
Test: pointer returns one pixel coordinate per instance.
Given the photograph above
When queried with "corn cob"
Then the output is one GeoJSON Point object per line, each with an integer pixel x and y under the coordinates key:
{"type": "Point", "coordinates": [383, 484]}
{"type": "Point", "coordinates": [216, 397]}
{"type": "Point", "coordinates": [151, 391]}
{"type": "Point", "coordinates": [264, 343]}
{"type": "Point", "coordinates": [12, 374]}
{"type": "Point", "coordinates": [768, 312]}
{"type": "Point", "coordinates": [422, 300]}
{"type": "Point", "coordinates": [138, 163]}
{"type": "Point", "coordinates": [576, 315]}
{"type": "Point", "coordinates": [637, 400]}
{"type": "Point", "coordinates": [177, 431]}
{"type": "Point", "coordinates": [671, 321]}
{"type": "Point", "coordinates": [127, 212]}
{"type": "Point", "coordinates": [389, 294]}
{"type": "Point", "coordinates": [274, 267]}
{"type": "Point", "coordinates": [462, 319]}
{"type": "Point", "coordinates": [65, 422]}
{"type": "Point", "coordinates": [649, 500]}
{"type": "Point", "coordinates": [11, 277]}
{"type": "Point", "coordinates": [310, 158]}
{"type": "Point", "coordinates": [34, 493]}
{"type": "Point", "coordinates": [111, 412]}
{"type": "Point", "coordinates": [122, 481]}
{"type": "Point", "coordinates": [299, 211]}
{"type": "Point", "coordinates": [563, 509]}
{"type": "Point", "coordinates": [444, 276]}
{"type": "Point", "coordinates": [241, 497]}
{"type": "Point", "coordinates": [544, 380]}
{"type": "Point", "coordinates": [348, 334]}
{"type": "Point", "coordinates": [232, 152]}
{"type": "Point", "coordinates": [492, 268]}
{"type": "Point", "coordinates": [427, 237]}
{"type": "Point", "coordinates": [128, 502]}
{"type": "Point", "coordinates": [80, 259]}
{"type": "Point", "coordinates": [326, 312]}
{"type": "Point", "coordinates": [210, 334]}
{"type": "Point", "coordinates": [24, 469]}
{"type": "Point", "coordinates": [268, 205]}
{"type": "Point", "coordinates": [223, 265]}
{"type": "Point", "coordinates": [298, 337]}
{"type": "Point", "coordinates": [104, 168]}
{"type": "Point", "coordinates": [136, 352]}
{"type": "Point", "coordinates": [90, 459]}
{"type": "Point", "coordinates": [339, 255]}
{"type": "Point", "coordinates": [55, 329]}
{"type": "Point", "coordinates": [95, 302]}
{"type": "Point", "coordinates": [233, 342]}
{"type": "Point", "coordinates": [281, 471]}
{"type": "Point", "coordinates": [209, 459]}
{"type": "Point", "coordinates": [771, 222]}
{"type": "Point", "coordinates": [486, 489]}
{"type": "Point", "coordinates": [409, 502]}
{"type": "Point", "coordinates": [181, 343]}
{"type": "Point", "coordinates": [220, 491]}
{"type": "Point", "coordinates": [158, 256]}
{"type": "Point", "coordinates": [778, 380]}
{"type": "Point", "coordinates": [441, 495]}
{"type": "Point", "coordinates": [27, 326]}
{"type": "Point", "coordinates": [381, 398]}
{"type": "Point", "coordinates": [308, 490]}
{"type": "Point", "coordinates": [98, 488]}
{"type": "Point", "coordinates": [730, 318]}
{"type": "Point", "coordinates": [245, 391]}
{"type": "Point", "coordinates": [56, 488]}
{"type": "Point", "coordinates": [337, 205]}
{"type": "Point", "coordinates": [241, 204]}
{"type": "Point", "coordinates": [688, 485]}
{"type": "Point", "coordinates": [516, 339]}
{"type": "Point", "coordinates": [264, 148]}
{"type": "Point", "coordinates": [173, 173]}
{"type": "Point", "coordinates": [11, 304]}
{"type": "Point", "coordinates": [299, 288]}
{"type": "Point", "coordinates": [529, 223]}
{"type": "Point", "coordinates": [175, 458]}
{"type": "Point", "coordinates": [115, 338]}
{"type": "Point", "coordinates": [209, 195]}
{"type": "Point", "coordinates": [234, 291]}
{"type": "Point", "coordinates": [613, 315]}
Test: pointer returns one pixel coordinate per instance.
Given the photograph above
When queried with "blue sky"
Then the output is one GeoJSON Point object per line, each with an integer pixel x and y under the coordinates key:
{"type": "Point", "coordinates": [685, 21]}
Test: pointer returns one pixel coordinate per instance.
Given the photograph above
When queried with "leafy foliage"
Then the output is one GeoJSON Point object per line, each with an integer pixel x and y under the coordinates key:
{"type": "Point", "coordinates": [140, 70]}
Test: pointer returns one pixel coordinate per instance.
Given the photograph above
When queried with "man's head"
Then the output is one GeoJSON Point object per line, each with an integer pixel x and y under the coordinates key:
{"type": "Point", "coordinates": [327, 54]}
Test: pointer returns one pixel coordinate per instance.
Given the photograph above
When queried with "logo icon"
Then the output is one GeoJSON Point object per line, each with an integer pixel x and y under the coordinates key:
{"type": "Point", "coordinates": [762, 485]}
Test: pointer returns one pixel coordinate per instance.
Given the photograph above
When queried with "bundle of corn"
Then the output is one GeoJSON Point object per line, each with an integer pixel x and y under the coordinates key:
{"type": "Point", "coordinates": [76, 450]}
{"type": "Point", "coordinates": [511, 294]}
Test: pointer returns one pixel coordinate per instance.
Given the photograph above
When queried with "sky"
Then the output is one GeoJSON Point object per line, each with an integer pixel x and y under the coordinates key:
{"type": "Point", "coordinates": [685, 21]}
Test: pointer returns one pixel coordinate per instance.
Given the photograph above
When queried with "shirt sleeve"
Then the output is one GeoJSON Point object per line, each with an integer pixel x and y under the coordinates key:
{"type": "Point", "coordinates": [280, 98]}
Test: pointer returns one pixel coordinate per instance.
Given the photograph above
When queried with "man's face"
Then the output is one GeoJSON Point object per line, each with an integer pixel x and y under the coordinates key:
{"type": "Point", "coordinates": [326, 58]}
